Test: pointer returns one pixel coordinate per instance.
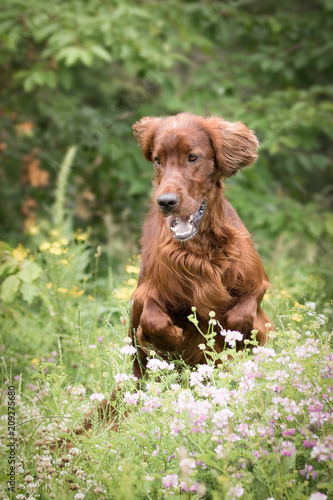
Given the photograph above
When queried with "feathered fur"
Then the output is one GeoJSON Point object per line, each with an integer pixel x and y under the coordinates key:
{"type": "Point", "coordinates": [218, 269]}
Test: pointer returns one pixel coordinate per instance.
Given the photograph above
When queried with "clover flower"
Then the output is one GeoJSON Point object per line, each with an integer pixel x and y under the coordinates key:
{"type": "Point", "coordinates": [155, 364]}
{"type": "Point", "coordinates": [98, 396]}
{"type": "Point", "coordinates": [231, 336]}
{"type": "Point", "coordinates": [127, 349]}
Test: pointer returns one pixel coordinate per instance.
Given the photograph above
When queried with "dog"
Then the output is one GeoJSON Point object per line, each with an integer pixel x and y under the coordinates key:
{"type": "Point", "coordinates": [196, 252]}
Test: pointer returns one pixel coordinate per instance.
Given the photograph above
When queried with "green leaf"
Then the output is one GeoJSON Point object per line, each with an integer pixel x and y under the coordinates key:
{"type": "Point", "coordinates": [8, 267]}
{"type": "Point", "coordinates": [100, 52]}
{"type": "Point", "coordinates": [28, 291]}
{"type": "Point", "coordinates": [30, 271]}
{"type": "Point", "coordinates": [9, 288]}
{"type": "Point", "coordinates": [86, 57]}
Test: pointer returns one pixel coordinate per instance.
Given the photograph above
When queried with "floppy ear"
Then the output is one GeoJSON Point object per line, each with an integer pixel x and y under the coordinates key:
{"type": "Point", "coordinates": [234, 144]}
{"type": "Point", "coordinates": [144, 131]}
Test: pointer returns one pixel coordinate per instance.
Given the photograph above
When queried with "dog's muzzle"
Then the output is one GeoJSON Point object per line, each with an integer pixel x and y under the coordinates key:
{"type": "Point", "coordinates": [185, 228]}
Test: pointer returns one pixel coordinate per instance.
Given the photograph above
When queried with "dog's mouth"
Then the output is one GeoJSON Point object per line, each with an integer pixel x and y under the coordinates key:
{"type": "Point", "coordinates": [185, 228]}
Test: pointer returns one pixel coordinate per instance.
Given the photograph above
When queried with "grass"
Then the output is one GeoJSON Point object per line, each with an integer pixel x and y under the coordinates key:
{"type": "Point", "coordinates": [256, 426]}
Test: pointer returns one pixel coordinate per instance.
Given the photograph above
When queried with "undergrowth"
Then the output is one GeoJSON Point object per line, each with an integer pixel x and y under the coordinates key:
{"type": "Point", "coordinates": [254, 425]}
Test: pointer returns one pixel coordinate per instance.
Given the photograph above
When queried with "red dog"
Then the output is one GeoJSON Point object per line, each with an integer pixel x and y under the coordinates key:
{"type": "Point", "coordinates": [195, 249]}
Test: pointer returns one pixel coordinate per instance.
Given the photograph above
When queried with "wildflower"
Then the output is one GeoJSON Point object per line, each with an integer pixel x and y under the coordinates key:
{"type": "Point", "coordinates": [231, 336]}
{"type": "Point", "coordinates": [45, 246]}
{"type": "Point", "coordinates": [62, 290]}
{"type": "Point", "coordinates": [308, 472]}
{"type": "Point", "coordinates": [311, 305]}
{"type": "Point", "coordinates": [235, 492]}
{"type": "Point", "coordinates": [187, 465]}
{"type": "Point", "coordinates": [132, 270]}
{"type": "Point", "coordinates": [92, 346]}
{"type": "Point", "coordinates": [55, 250]}
{"type": "Point", "coordinates": [318, 496]}
{"type": "Point", "coordinates": [131, 399]}
{"type": "Point", "coordinates": [123, 377]}
{"type": "Point", "coordinates": [287, 448]}
{"type": "Point", "coordinates": [79, 496]}
{"type": "Point", "coordinates": [170, 481]}
{"type": "Point", "coordinates": [35, 361]}
{"type": "Point", "coordinates": [97, 396]}
{"type": "Point", "coordinates": [20, 253]}
{"type": "Point", "coordinates": [297, 317]}
{"type": "Point", "coordinates": [202, 347]}
{"type": "Point", "coordinates": [49, 285]}
{"type": "Point", "coordinates": [157, 364]}
{"type": "Point", "coordinates": [127, 349]}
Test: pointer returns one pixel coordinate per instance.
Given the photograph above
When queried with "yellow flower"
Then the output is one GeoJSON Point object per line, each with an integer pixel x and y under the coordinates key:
{"type": "Point", "coordinates": [90, 297]}
{"type": "Point", "coordinates": [56, 244]}
{"type": "Point", "coordinates": [297, 317]}
{"type": "Point", "coordinates": [76, 293]}
{"type": "Point", "coordinates": [35, 361]}
{"type": "Point", "coordinates": [132, 270]}
{"type": "Point", "coordinates": [54, 232]}
{"type": "Point", "coordinates": [283, 292]}
{"type": "Point", "coordinates": [131, 282]}
{"type": "Point", "coordinates": [19, 253]}
{"type": "Point", "coordinates": [64, 250]}
{"type": "Point", "coordinates": [123, 293]}
{"type": "Point", "coordinates": [55, 251]}
{"type": "Point", "coordinates": [49, 285]}
{"type": "Point", "coordinates": [296, 304]}
{"type": "Point", "coordinates": [64, 241]}
{"type": "Point", "coordinates": [44, 246]}
{"type": "Point", "coordinates": [80, 236]}
{"type": "Point", "coordinates": [33, 229]}
{"type": "Point", "coordinates": [64, 262]}
{"type": "Point", "coordinates": [62, 290]}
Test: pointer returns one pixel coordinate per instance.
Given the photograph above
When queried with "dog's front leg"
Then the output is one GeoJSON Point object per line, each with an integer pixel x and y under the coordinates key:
{"type": "Point", "coordinates": [157, 328]}
{"type": "Point", "coordinates": [242, 317]}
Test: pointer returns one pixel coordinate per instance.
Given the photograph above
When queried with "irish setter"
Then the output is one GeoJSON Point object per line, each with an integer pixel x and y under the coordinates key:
{"type": "Point", "coordinates": [195, 249]}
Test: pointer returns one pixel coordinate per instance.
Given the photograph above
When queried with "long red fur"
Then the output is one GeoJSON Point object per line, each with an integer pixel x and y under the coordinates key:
{"type": "Point", "coordinates": [219, 269]}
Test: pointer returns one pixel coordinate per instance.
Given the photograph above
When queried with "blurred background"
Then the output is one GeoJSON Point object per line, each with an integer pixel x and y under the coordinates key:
{"type": "Point", "coordinates": [80, 73]}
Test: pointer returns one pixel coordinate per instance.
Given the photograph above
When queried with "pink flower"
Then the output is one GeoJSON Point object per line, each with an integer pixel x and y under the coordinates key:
{"type": "Point", "coordinates": [92, 346]}
{"type": "Point", "coordinates": [127, 349]}
{"type": "Point", "coordinates": [235, 492]}
{"type": "Point", "coordinates": [170, 481]}
{"type": "Point", "coordinates": [131, 399]}
{"type": "Point", "coordinates": [318, 496]}
{"type": "Point", "coordinates": [287, 448]}
{"type": "Point", "coordinates": [98, 396]}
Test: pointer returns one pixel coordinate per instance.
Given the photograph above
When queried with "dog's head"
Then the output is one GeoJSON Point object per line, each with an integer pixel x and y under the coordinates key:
{"type": "Point", "coordinates": [190, 154]}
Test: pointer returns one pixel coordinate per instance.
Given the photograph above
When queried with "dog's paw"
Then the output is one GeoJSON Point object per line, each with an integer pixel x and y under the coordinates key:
{"type": "Point", "coordinates": [237, 320]}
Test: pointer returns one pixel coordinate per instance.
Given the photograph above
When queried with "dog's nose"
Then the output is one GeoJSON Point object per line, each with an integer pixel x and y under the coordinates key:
{"type": "Point", "coordinates": [167, 201]}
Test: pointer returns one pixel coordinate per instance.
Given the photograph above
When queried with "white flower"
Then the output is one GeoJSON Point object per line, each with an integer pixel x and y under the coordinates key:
{"type": "Point", "coordinates": [157, 364]}
{"type": "Point", "coordinates": [98, 396]}
{"type": "Point", "coordinates": [236, 492]}
{"type": "Point", "coordinates": [231, 336]}
{"type": "Point", "coordinates": [318, 496]}
{"type": "Point", "coordinates": [311, 305]}
{"type": "Point", "coordinates": [128, 349]}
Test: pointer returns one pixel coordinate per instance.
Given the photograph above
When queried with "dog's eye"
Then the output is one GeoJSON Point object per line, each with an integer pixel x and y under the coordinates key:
{"type": "Point", "coordinates": [157, 160]}
{"type": "Point", "coordinates": [192, 158]}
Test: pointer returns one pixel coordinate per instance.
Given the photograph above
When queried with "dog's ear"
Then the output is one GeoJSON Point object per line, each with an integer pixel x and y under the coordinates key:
{"type": "Point", "coordinates": [234, 144]}
{"type": "Point", "coordinates": [144, 131]}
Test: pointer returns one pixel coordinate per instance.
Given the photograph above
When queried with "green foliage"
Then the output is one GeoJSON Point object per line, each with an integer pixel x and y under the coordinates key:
{"type": "Point", "coordinates": [238, 427]}
{"type": "Point", "coordinates": [82, 72]}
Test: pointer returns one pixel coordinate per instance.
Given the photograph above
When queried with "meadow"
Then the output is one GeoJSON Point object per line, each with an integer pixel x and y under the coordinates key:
{"type": "Point", "coordinates": [254, 425]}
